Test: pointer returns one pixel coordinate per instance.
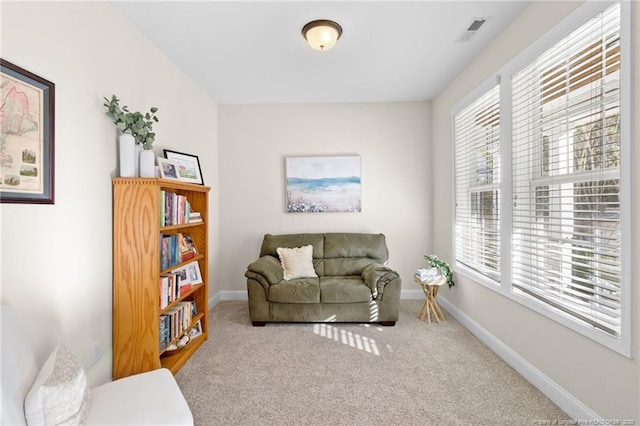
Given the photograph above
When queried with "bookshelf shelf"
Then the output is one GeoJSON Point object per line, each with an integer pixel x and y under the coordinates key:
{"type": "Point", "coordinates": [137, 231]}
{"type": "Point", "coordinates": [198, 257]}
{"type": "Point", "coordinates": [186, 296]}
{"type": "Point", "coordinates": [174, 362]}
{"type": "Point", "coordinates": [166, 352]}
{"type": "Point", "coordinates": [183, 226]}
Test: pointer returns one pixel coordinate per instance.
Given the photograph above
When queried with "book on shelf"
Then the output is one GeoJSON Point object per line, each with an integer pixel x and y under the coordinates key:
{"type": "Point", "coordinates": [176, 249]}
{"type": "Point", "coordinates": [164, 293]}
{"type": "Point", "coordinates": [169, 289]}
{"type": "Point", "coordinates": [164, 332]}
{"type": "Point", "coordinates": [175, 209]}
{"type": "Point", "coordinates": [177, 283]}
{"type": "Point", "coordinates": [174, 322]}
{"type": "Point", "coordinates": [163, 217]}
{"type": "Point", "coordinates": [195, 217]}
{"type": "Point", "coordinates": [191, 245]}
{"type": "Point", "coordinates": [164, 250]}
{"type": "Point", "coordinates": [187, 247]}
{"type": "Point", "coordinates": [169, 251]}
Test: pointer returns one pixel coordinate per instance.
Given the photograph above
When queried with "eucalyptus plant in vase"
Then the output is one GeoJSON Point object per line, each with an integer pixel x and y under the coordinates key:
{"type": "Point", "coordinates": [136, 130]}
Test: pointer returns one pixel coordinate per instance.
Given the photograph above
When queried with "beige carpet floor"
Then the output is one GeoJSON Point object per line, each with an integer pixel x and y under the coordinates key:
{"type": "Point", "coordinates": [354, 374]}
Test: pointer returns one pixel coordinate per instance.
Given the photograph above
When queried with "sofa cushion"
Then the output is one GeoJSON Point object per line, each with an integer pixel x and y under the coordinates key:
{"type": "Point", "coordinates": [372, 246]}
{"type": "Point", "coordinates": [60, 394]}
{"type": "Point", "coordinates": [296, 262]}
{"type": "Point", "coordinates": [270, 245]}
{"type": "Point", "coordinates": [345, 266]}
{"type": "Point", "coordinates": [342, 289]}
{"type": "Point", "coordinates": [348, 253]}
{"type": "Point", "coordinates": [299, 290]}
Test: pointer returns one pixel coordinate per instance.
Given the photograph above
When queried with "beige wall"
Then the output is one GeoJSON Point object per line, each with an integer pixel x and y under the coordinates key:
{"type": "Point", "coordinates": [56, 259]}
{"type": "Point", "coordinates": [601, 379]}
{"type": "Point", "coordinates": [393, 141]}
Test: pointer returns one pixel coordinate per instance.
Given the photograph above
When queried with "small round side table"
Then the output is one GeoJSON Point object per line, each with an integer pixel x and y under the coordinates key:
{"type": "Point", "coordinates": [430, 289]}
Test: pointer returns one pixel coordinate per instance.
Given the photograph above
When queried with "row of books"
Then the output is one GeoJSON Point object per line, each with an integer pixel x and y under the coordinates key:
{"type": "Point", "coordinates": [178, 282]}
{"type": "Point", "coordinates": [170, 289]}
{"type": "Point", "coordinates": [176, 249]}
{"type": "Point", "coordinates": [175, 209]}
{"type": "Point", "coordinates": [174, 322]}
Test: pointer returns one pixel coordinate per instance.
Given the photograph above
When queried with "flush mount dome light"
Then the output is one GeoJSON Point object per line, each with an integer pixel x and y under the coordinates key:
{"type": "Point", "coordinates": [322, 34]}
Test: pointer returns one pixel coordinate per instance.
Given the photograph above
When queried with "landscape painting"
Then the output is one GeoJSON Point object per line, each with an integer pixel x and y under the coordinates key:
{"type": "Point", "coordinates": [323, 184]}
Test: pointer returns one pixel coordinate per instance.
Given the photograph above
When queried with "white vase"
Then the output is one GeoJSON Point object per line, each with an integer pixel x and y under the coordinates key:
{"type": "Point", "coordinates": [137, 159]}
{"type": "Point", "coordinates": [147, 163]}
{"type": "Point", "coordinates": [127, 155]}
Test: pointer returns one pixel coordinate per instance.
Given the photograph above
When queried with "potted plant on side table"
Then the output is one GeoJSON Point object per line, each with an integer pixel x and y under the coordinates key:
{"type": "Point", "coordinates": [136, 130]}
{"type": "Point", "coordinates": [443, 267]}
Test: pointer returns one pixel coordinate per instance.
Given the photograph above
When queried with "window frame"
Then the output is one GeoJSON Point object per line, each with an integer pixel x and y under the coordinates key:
{"type": "Point", "coordinates": [467, 101]}
{"type": "Point", "coordinates": [504, 286]}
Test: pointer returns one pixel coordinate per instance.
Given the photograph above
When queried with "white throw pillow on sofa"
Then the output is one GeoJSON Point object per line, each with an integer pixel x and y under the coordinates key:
{"type": "Point", "coordinates": [297, 262]}
{"type": "Point", "coordinates": [60, 393]}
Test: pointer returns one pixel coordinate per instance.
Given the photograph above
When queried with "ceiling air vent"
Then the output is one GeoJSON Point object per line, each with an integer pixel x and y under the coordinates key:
{"type": "Point", "coordinates": [471, 30]}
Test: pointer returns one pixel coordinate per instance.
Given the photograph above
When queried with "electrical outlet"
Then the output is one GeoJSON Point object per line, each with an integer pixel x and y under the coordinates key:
{"type": "Point", "coordinates": [96, 351]}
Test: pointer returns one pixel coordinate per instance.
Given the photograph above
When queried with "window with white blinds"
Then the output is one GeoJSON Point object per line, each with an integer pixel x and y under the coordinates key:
{"type": "Point", "coordinates": [566, 176]}
{"type": "Point", "coordinates": [543, 170]}
{"type": "Point", "coordinates": [477, 185]}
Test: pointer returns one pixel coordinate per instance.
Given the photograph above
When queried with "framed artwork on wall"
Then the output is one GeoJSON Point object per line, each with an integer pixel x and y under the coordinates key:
{"type": "Point", "coordinates": [323, 184]}
{"type": "Point", "coordinates": [188, 166]}
{"type": "Point", "coordinates": [27, 115]}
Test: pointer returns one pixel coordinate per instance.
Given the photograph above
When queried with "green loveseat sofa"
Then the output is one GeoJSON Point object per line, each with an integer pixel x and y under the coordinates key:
{"type": "Point", "coordinates": [352, 284]}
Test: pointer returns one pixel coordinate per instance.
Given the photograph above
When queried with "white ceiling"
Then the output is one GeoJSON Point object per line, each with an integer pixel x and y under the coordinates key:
{"type": "Point", "coordinates": [254, 52]}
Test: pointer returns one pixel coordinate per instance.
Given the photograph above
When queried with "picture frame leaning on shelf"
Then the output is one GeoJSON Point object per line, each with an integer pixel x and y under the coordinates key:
{"type": "Point", "coordinates": [168, 168]}
{"type": "Point", "coordinates": [196, 330]}
{"type": "Point", "coordinates": [188, 166]}
{"type": "Point", "coordinates": [189, 274]}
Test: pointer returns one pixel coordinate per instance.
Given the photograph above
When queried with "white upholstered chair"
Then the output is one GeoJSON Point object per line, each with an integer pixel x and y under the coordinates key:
{"type": "Point", "coordinates": [58, 390]}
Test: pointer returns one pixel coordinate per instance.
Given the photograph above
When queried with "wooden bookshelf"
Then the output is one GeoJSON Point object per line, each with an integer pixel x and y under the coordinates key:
{"type": "Point", "coordinates": [136, 273]}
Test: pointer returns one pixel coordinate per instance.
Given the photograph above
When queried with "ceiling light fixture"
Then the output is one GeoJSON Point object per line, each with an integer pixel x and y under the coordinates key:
{"type": "Point", "coordinates": [322, 34]}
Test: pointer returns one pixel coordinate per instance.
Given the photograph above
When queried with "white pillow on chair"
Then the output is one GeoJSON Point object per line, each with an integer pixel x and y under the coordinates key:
{"type": "Point", "coordinates": [60, 394]}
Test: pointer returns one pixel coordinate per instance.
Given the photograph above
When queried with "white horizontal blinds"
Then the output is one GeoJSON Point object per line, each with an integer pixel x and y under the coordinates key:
{"type": "Point", "coordinates": [566, 175]}
{"type": "Point", "coordinates": [477, 181]}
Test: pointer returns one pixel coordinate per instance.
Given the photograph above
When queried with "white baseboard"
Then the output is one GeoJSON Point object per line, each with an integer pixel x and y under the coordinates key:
{"type": "Point", "coordinates": [214, 300]}
{"type": "Point", "coordinates": [563, 399]}
{"type": "Point", "coordinates": [227, 295]}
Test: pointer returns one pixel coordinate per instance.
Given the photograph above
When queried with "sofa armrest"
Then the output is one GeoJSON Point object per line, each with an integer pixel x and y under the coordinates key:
{"type": "Point", "coordinates": [377, 276]}
{"type": "Point", "coordinates": [266, 270]}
